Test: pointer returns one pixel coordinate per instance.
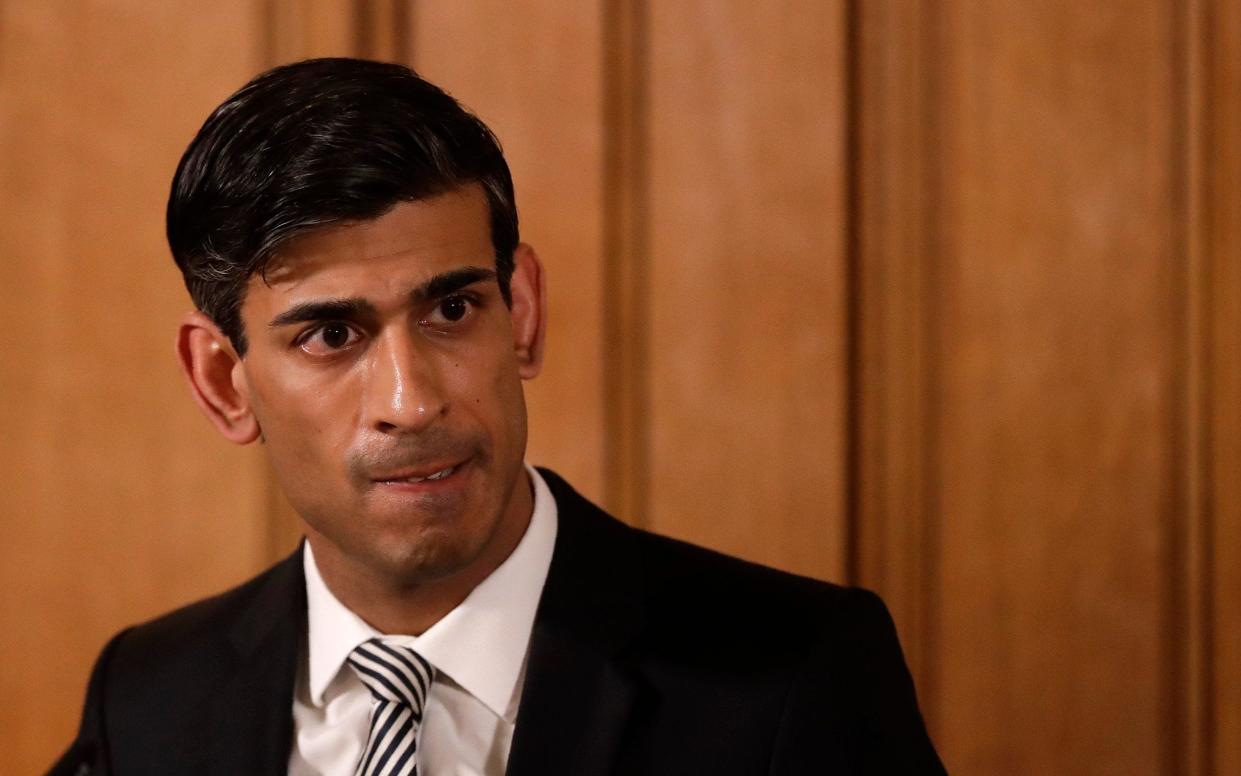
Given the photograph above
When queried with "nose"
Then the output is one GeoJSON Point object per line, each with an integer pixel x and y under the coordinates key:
{"type": "Point", "coordinates": [403, 392]}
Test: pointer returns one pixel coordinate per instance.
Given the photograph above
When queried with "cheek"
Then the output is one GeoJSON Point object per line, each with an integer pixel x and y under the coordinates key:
{"type": "Point", "coordinates": [490, 384]}
{"type": "Point", "coordinates": [509, 404]}
{"type": "Point", "coordinates": [302, 421]}
{"type": "Point", "coordinates": [490, 391]}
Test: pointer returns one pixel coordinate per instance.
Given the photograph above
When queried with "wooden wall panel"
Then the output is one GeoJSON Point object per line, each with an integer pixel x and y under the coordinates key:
{"type": "Point", "coordinates": [626, 170]}
{"type": "Point", "coordinates": [117, 498]}
{"type": "Point", "coordinates": [1059, 361]}
{"type": "Point", "coordinates": [894, 222]}
{"type": "Point", "coordinates": [300, 29]}
{"type": "Point", "coordinates": [533, 73]}
{"type": "Point", "coordinates": [937, 297]}
{"type": "Point", "coordinates": [747, 277]}
{"type": "Point", "coordinates": [1029, 370]}
{"type": "Point", "coordinates": [1214, 32]}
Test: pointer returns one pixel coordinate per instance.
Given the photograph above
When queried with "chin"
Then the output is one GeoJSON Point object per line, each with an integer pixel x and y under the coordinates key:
{"type": "Point", "coordinates": [428, 558]}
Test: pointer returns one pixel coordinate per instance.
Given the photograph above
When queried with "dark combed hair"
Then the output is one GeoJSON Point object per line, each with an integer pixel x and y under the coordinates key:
{"type": "Point", "coordinates": [320, 142]}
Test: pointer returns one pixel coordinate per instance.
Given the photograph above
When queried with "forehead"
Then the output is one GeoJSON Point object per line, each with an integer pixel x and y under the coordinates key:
{"type": "Point", "coordinates": [410, 243]}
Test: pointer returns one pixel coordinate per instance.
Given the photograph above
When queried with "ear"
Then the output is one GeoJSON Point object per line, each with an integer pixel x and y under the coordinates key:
{"type": "Point", "coordinates": [216, 378]}
{"type": "Point", "coordinates": [529, 311]}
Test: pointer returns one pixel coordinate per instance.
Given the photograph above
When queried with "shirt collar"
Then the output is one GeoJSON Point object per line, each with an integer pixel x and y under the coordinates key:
{"type": "Point", "coordinates": [481, 644]}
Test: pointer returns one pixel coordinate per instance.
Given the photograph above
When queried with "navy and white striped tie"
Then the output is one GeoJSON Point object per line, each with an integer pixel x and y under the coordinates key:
{"type": "Point", "coordinates": [398, 679]}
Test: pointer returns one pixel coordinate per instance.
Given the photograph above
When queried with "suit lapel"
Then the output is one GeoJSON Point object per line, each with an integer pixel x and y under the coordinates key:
{"type": "Point", "coordinates": [254, 729]}
{"type": "Point", "coordinates": [578, 693]}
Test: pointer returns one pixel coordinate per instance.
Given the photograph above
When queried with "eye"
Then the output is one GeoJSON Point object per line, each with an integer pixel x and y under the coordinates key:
{"type": "Point", "coordinates": [451, 309]}
{"type": "Point", "coordinates": [454, 308]}
{"type": "Point", "coordinates": [328, 338]}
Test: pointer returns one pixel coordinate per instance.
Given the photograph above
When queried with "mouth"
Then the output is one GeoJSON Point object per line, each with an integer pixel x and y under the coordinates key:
{"type": "Point", "coordinates": [422, 477]}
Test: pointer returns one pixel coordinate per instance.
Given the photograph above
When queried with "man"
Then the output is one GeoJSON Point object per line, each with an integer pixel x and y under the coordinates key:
{"type": "Point", "coordinates": [348, 234]}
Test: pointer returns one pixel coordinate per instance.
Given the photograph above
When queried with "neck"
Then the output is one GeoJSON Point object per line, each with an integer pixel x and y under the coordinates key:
{"type": "Point", "coordinates": [409, 604]}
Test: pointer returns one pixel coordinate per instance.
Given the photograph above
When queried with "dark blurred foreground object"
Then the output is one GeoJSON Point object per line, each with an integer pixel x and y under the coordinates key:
{"type": "Point", "coordinates": [82, 759]}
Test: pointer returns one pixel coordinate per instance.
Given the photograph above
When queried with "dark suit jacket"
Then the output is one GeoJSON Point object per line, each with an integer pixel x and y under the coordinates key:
{"type": "Point", "coordinates": [648, 656]}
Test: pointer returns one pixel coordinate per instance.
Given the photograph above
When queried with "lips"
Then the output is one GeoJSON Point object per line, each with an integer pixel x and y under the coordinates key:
{"type": "Point", "coordinates": [439, 475]}
{"type": "Point", "coordinates": [421, 474]}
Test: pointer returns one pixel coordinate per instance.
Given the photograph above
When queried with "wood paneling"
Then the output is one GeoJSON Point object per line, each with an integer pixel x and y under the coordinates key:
{"type": "Point", "coordinates": [894, 231]}
{"type": "Point", "coordinates": [937, 297]}
{"type": "Point", "coordinates": [1192, 704]}
{"type": "Point", "coordinates": [532, 71]}
{"type": "Point", "coordinates": [384, 29]}
{"type": "Point", "coordinates": [1214, 32]}
{"type": "Point", "coordinates": [626, 258]}
{"type": "Point", "coordinates": [300, 29]}
{"type": "Point", "coordinates": [118, 500]}
{"type": "Point", "coordinates": [747, 277]}
{"type": "Point", "coordinates": [1039, 374]}
{"type": "Point", "coordinates": [1060, 349]}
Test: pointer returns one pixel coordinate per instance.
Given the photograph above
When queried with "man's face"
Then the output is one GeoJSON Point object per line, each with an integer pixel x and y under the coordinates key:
{"type": "Point", "coordinates": [384, 370]}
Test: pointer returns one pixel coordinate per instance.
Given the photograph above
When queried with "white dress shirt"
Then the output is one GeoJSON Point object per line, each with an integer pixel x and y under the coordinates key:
{"type": "Point", "coordinates": [478, 650]}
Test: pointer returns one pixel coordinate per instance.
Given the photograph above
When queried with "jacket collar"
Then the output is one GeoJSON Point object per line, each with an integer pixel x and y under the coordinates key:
{"type": "Point", "coordinates": [253, 719]}
{"type": "Point", "coordinates": [578, 692]}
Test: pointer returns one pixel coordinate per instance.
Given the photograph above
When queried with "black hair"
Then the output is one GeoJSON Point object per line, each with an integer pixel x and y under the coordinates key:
{"type": "Point", "coordinates": [319, 142]}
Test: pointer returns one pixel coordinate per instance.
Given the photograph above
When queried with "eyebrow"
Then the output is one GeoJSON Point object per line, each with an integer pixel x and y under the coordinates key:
{"type": "Point", "coordinates": [324, 310]}
{"type": "Point", "coordinates": [354, 308]}
{"type": "Point", "coordinates": [448, 282]}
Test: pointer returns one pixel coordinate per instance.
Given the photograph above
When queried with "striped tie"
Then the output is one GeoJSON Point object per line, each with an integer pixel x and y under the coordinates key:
{"type": "Point", "coordinates": [398, 678]}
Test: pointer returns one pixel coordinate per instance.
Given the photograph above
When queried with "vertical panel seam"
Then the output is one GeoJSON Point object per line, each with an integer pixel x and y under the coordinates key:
{"type": "Point", "coordinates": [625, 234]}
{"type": "Point", "coordinates": [1204, 32]}
{"type": "Point", "coordinates": [894, 245]}
{"type": "Point", "coordinates": [363, 35]}
{"type": "Point", "coordinates": [1175, 590]}
{"type": "Point", "coordinates": [932, 245]}
{"type": "Point", "coordinates": [402, 21]}
{"type": "Point", "coordinates": [853, 296]}
{"type": "Point", "coordinates": [267, 33]}
{"type": "Point", "coordinates": [1170, 681]}
{"type": "Point", "coordinates": [271, 507]}
{"type": "Point", "coordinates": [1190, 682]}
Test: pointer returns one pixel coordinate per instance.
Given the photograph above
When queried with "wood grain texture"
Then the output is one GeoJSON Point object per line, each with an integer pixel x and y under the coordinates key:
{"type": "Point", "coordinates": [1191, 710]}
{"type": "Point", "coordinates": [1218, 26]}
{"type": "Point", "coordinates": [532, 71]}
{"type": "Point", "coordinates": [1059, 429]}
{"type": "Point", "coordinates": [626, 384]}
{"type": "Point", "coordinates": [300, 29]}
{"type": "Point", "coordinates": [118, 499]}
{"type": "Point", "coordinates": [939, 297]}
{"type": "Point", "coordinates": [383, 29]}
{"type": "Point", "coordinates": [895, 233]}
{"type": "Point", "coordinates": [747, 274]}
{"type": "Point", "coordinates": [1043, 398]}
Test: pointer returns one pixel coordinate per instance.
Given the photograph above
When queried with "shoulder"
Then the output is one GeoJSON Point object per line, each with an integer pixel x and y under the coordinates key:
{"type": "Point", "coordinates": [808, 670]}
{"type": "Point", "coordinates": [706, 595]}
{"type": "Point", "coordinates": [202, 636]}
{"type": "Point", "coordinates": [218, 615]}
{"type": "Point", "coordinates": [694, 596]}
{"type": "Point", "coordinates": [203, 656]}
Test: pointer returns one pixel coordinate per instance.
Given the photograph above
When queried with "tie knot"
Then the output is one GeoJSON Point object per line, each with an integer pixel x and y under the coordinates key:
{"type": "Point", "coordinates": [393, 672]}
